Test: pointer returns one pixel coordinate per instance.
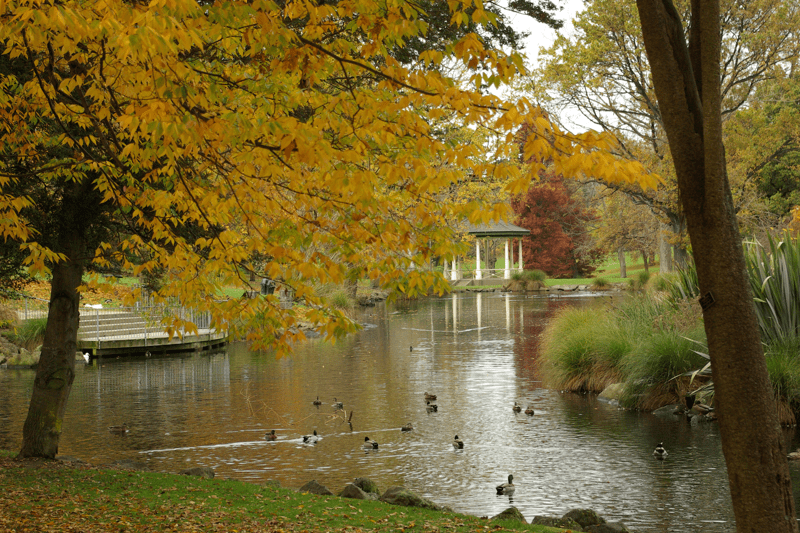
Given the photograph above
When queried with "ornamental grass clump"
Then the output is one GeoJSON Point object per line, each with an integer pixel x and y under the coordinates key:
{"type": "Point", "coordinates": [579, 351]}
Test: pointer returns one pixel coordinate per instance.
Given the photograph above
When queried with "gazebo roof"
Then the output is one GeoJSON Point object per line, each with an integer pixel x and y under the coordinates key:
{"type": "Point", "coordinates": [496, 229]}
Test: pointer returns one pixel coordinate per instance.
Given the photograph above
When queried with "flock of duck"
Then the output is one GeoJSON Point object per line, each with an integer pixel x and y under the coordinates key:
{"type": "Point", "coordinates": [369, 444]}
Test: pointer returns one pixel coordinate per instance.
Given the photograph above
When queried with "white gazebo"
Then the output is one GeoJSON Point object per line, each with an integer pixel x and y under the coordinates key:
{"type": "Point", "coordinates": [492, 230]}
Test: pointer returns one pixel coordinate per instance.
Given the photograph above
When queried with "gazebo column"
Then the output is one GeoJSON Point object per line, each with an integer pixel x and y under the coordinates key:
{"type": "Point", "coordinates": [478, 259]}
{"type": "Point", "coordinates": [520, 255]}
{"type": "Point", "coordinates": [507, 272]}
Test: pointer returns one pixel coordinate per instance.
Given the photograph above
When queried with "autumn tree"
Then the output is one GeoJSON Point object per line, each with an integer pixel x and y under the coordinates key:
{"type": "Point", "coordinates": [602, 73]}
{"type": "Point", "coordinates": [688, 84]}
{"type": "Point", "coordinates": [561, 242]}
{"type": "Point", "coordinates": [190, 122]}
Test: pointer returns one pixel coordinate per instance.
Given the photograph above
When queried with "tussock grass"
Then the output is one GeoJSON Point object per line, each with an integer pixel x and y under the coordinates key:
{"type": "Point", "coordinates": [579, 353]}
{"type": "Point", "coordinates": [30, 333]}
{"type": "Point", "coordinates": [643, 342]}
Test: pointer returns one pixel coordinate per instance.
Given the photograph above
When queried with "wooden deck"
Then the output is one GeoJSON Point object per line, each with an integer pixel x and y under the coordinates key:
{"type": "Point", "coordinates": [110, 332]}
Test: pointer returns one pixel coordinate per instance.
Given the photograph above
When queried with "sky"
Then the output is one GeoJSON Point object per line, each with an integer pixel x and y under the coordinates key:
{"type": "Point", "coordinates": [542, 35]}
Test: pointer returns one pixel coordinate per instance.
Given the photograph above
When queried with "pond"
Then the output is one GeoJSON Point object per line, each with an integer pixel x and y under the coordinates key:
{"type": "Point", "coordinates": [476, 351]}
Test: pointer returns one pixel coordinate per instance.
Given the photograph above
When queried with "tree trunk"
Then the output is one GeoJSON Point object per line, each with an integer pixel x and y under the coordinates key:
{"type": "Point", "coordinates": [681, 257]}
{"type": "Point", "coordinates": [664, 250]}
{"type": "Point", "coordinates": [644, 259]}
{"type": "Point", "coordinates": [623, 268]}
{"type": "Point", "coordinates": [56, 369]}
{"type": "Point", "coordinates": [686, 82]}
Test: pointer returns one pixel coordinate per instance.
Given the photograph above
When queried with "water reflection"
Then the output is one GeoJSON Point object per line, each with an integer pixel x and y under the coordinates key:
{"type": "Point", "coordinates": [477, 352]}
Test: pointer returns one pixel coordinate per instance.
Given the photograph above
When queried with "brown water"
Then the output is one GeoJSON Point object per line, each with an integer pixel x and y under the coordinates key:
{"type": "Point", "coordinates": [477, 352]}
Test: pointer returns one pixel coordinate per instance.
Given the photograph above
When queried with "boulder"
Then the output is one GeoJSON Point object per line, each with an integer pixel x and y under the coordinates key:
{"type": "Point", "coordinates": [551, 521]}
{"type": "Point", "coordinates": [367, 485]}
{"type": "Point", "coordinates": [351, 491]}
{"type": "Point", "coordinates": [199, 471]}
{"type": "Point", "coordinates": [512, 513]}
{"type": "Point", "coordinates": [585, 517]}
{"type": "Point", "coordinates": [312, 487]}
{"type": "Point", "coordinates": [612, 392]}
{"type": "Point", "coordinates": [610, 527]}
{"type": "Point", "coordinates": [403, 496]}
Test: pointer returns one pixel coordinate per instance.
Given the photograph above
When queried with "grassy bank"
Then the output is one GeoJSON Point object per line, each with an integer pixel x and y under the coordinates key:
{"type": "Point", "coordinates": [54, 496]}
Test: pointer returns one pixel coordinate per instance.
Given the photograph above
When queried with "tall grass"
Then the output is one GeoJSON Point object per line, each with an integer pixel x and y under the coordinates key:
{"type": "Point", "coordinates": [643, 342]}
{"type": "Point", "coordinates": [30, 333]}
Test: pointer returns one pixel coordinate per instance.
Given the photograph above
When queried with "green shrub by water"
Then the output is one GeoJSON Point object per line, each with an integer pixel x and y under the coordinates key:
{"type": "Point", "coordinates": [783, 365]}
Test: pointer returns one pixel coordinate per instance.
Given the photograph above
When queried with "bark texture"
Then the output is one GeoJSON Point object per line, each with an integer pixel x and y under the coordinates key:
{"type": "Point", "coordinates": [686, 81]}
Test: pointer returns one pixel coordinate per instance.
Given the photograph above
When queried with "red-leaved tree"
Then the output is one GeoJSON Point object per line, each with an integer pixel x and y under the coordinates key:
{"type": "Point", "coordinates": [560, 242]}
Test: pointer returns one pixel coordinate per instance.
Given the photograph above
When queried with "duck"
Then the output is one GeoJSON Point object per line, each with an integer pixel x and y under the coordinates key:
{"type": "Point", "coordinates": [458, 444]}
{"type": "Point", "coordinates": [660, 452]}
{"type": "Point", "coordinates": [119, 430]}
{"type": "Point", "coordinates": [431, 407]}
{"type": "Point", "coordinates": [430, 397]}
{"type": "Point", "coordinates": [370, 444]}
{"type": "Point", "coordinates": [337, 404]}
{"type": "Point", "coordinates": [271, 435]}
{"type": "Point", "coordinates": [516, 408]}
{"type": "Point", "coordinates": [407, 427]}
{"type": "Point", "coordinates": [506, 488]}
{"type": "Point", "coordinates": [317, 401]}
{"type": "Point", "coordinates": [529, 411]}
{"type": "Point", "coordinates": [311, 439]}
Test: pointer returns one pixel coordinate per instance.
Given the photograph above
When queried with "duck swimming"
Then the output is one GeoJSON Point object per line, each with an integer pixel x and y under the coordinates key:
{"type": "Point", "coordinates": [660, 452]}
{"type": "Point", "coordinates": [516, 408]}
{"type": "Point", "coordinates": [506, 488]}
{"type": "Point", "coordinates": [311, 439]}
{"type": "Point", "coordinates": [529, 411]}
{"type": "Point", "coordinates": [431, 407]}
{"type": "Point", "coordinates": [370, 444]}
{"type": "Point", "coordinates": [271, 435]}
{"type": "Point", "coordinates": [407, 427]}
{"type": "Point", "coordinates": [337, 404]}
{"type": "Point", "coordinates": [458, 444]}
{"type": "Point", "coordinates": [119, 430]}
{"type": "Point", "coordinates": [317, 401]}
{"type": "Point", "coordinates": [430, 397]}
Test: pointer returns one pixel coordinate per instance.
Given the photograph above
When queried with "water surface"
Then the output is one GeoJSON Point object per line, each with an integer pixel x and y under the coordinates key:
{"type": "Point", "coordinates": [476, 351]}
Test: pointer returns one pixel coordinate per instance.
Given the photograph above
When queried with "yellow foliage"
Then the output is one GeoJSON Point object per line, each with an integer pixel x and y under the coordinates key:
{"type": "Point", "coordinates": [235, 136]}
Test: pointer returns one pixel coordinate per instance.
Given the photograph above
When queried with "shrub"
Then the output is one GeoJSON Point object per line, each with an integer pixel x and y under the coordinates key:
{"type": "Point", "coordinates": [535, 275]}
{"type": "Point", "coordinates": [599, 283]}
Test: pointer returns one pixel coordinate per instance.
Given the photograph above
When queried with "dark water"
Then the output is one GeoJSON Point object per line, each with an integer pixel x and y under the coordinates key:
{"type": "Point", "coordinates": [477, 352]}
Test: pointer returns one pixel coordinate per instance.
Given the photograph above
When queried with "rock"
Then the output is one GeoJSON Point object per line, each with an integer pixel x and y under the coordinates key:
{"type": "Point", "coordinates": [610, 527]}
{"type": "Point", "coordinates": [351, 491]}
{"type": "Point", "coordinates": [612, 392]}
{"type": "Point", "coordinates": [403, 496]}
{"type": "Point", "coordinates": [367, 485]}
{"type": "Point", "coordinates": [669, 411]}
{"type": "Point", "coordinates": [585, 517]}
{"type": "Point", "coordinates": [312, 487]}
{"type": "Point", "coordinates": [200, 471]}
{"type": "Point", "coordinates": [512, 513]}
{"type": "Point", "coordinates": [551, 521]}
